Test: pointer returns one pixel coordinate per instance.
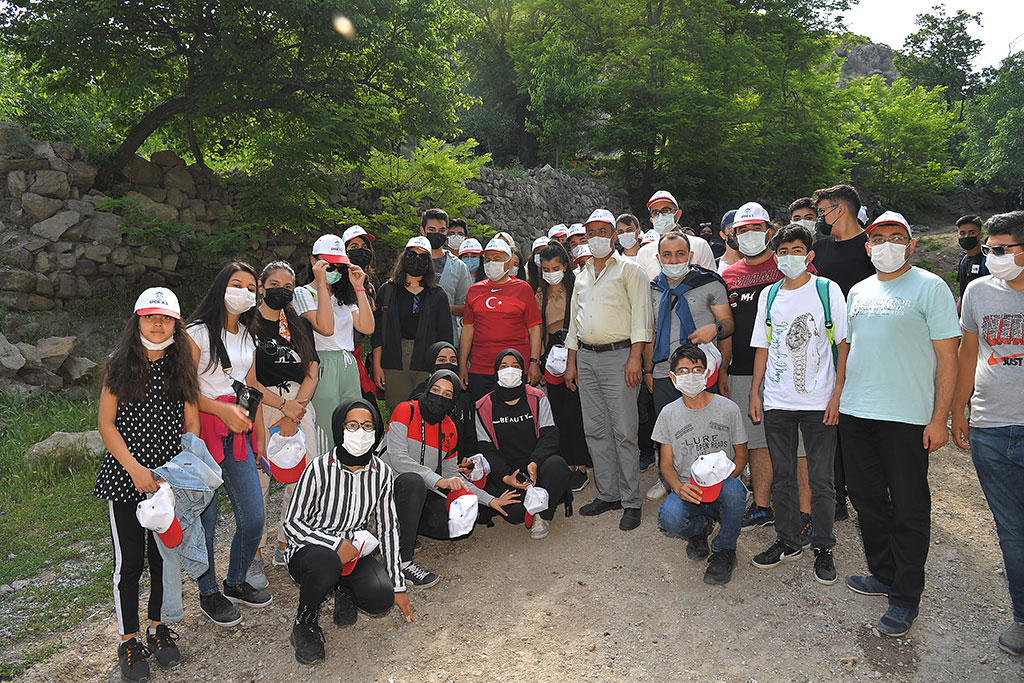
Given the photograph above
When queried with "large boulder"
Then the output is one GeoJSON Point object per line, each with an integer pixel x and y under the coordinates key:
{"type": "Point", "coordinates": [166, 158]}
{"type": "Point", "coordinates": [51, 184]}
{"type": "Point", "coordinates": [14, 141]}
{"type": "Point", "coordinates": [159, 211]}
{"type": "Point", "coordinates": [17, 183]}
{"type": "Point", "coordinates": [53, 351]}
{"type": "Point", "coordinates": [64, 444]}
{"type": "Point", "coordinates": [11, 359]}
{"type": "Point", "coordinates": [40, 207]}
{"type": "Point", "coordinates": [179, 178]}
{"type": "Point", "coordinates": [868, 59]}
{"type": "Point", "coordinates": [31, 355]}
{"type": "Point", "coordinates": [138, 171]}
{"type": "Point", "coordinates": [53, 228]}
{"type": "Point", "coordinates": [17, 280]}
{"type": "Point", "coordinates": [82, 175]}
{"type": "Point", "coordinates": [77, 368]}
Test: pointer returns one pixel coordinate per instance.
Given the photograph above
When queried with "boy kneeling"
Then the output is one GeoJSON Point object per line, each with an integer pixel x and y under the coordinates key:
{"type": "Point", "coordinates": [701, 423]}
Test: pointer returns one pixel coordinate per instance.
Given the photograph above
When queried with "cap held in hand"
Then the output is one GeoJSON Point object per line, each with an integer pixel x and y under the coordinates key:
{"type": "Point", "coordinates": [157, 514]}
{"type": "Point", "coordinates": [708, 472]}
{"type": "Point", "coordinates": [462, 512]}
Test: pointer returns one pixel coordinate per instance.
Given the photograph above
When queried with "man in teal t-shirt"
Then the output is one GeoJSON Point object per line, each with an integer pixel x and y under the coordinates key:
{"type": "Point", "coordinates": [903, 332]}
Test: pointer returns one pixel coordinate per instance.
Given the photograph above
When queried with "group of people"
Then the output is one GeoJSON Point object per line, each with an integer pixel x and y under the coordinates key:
{"type": "Point", "coordinates": [808, 351]}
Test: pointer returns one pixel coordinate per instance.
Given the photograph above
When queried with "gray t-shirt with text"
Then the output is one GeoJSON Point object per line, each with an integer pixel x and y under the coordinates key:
{"type": "Point", "coordinates": [692, 433]}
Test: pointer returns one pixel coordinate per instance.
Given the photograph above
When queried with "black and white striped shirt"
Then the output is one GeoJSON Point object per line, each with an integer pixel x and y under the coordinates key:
{"type": "Point", "coordinates": [332, 502]}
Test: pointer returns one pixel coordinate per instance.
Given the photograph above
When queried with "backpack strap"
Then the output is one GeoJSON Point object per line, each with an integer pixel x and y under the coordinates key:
{"type": "Point", "coordinates": [822, 284]}
{"type": "Point", "coordinates": [773, 291]}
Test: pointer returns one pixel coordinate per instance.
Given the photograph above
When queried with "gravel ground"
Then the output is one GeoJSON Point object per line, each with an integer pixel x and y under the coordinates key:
{"type": "Point", "coordinates": [593, 603]}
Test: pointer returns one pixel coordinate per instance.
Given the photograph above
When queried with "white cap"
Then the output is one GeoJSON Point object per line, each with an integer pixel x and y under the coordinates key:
{"type": "Point", "coordinates": [575, 229]}
{"type": "Point", "coordinates": [536, 499]}
{"type": "Point", "coordinates": [557, 230]}
{"type": "Point", "coordinates": [709, 471]}
{"type": "Point", "coordinates": [714, 361]}
{"type": "Point", "coordinates": [420, 242]}
{"type": "Point", "coordinates": [481, 468]}
{"type": "Point", "coordinates": [862, 216]}
{"type": "Point", "coordinates": [601, 216]}
{"type": "Point", "coordinates": [471, 245]}
{"type": "Point", "coordinates": [751, 212]}
{"type": "Point", "coordinates": [662, 195]}
{"type": "Point", "coordinates": [158, 301]}
{"type": "Point", "coordinates": [540, 242]}
{"type": "Point", "coordinates": [356, 231]}
{"type": "Point", "coordinates": [287, 456]}
{"type": "Point", "coordinates": [506, 237]}
{"type": "Point", "coordinates": [890, 218]}
{"type": "Point", "coordinates": [498, 244]}
{"type": "Point", "coordinates": [462, 511]}
{"type": "Point", "coordinates": [580, 252]}
{"type": "Point", "coordinates": [365, 543]}
{"type": "Point", "coordinates": [649, 236]}
{"type": "Point", "coordinates": [157, 514]}
{"type": "Point", "coordinates": [330, 248]}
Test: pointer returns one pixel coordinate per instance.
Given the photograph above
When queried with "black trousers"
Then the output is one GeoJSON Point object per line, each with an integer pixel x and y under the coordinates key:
{"type": "Point", "coordinates": [130, 542]}
{"type": "Point", "coordinates": [840, 474]}
{"type": "Point", "coordinates": [568, 415]}
{"type": "Point", "coordinates": [887, 479]}
{"type": "Point", "coordinates": [317, 570]}
{"type": "Point", "coordinates": [553, 475]}
{"type": "Point", "coordinates": [420, 513]}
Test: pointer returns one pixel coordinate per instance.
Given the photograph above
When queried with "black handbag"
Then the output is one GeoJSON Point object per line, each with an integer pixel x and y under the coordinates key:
{"type": "Point", "coordinates": [248, 397]}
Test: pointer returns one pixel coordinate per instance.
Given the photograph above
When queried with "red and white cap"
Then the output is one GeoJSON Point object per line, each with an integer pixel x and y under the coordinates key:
{"type": "Point", "coordinates": [558, 231]}
{"type": "Point", "coordinates": [354, 232]}
{"type": "Point", "coordinates": [158, 301]}
{"type": "Point", "coordinates": [157, 514]}
{"type": "Point", "coordinates": [462, 512]}
{"type": "Point", "coordinates": [662, 195]}
{"type": "Point", "coordinates": [419, 242]}
{"type": "Point", "coordinates": [890, 218]}
{"type": "Point", "coordinates": [365, 543]}
{"type": "Point", "coordinates": [540, 242]}
{"type": "Point", "coordinates": [498, 244]}
{"type": "Point", "coordinates": [331, 249]}
{"type": "Point", "coordinates": [509, 240]}
{"type": "Point", "coordinates": [481, 468]}
{"type": "Point", "coordinates": [582, 253]}
{"type": "Point", "coordinates": [708, 472]}
{"type": "Point", "coordinates": [600, 216]}
{"type": "Point", "coordinates": [714, 357]}
{"type": "Point", "coordinates": [574, 230]}
{"type": "Point", "coordinates": [471, 245]}
{"type": "Point", "coordinates": [649, 236]}
{"type": "Point", "coordinates": [749, 213]}
{"type": "Point", "coordinates": [287, 456]}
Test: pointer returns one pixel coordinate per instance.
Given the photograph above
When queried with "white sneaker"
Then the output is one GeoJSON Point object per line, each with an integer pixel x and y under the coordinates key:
{"type": "Point", "coordinates": [657, 492]}
{"type": "Point", "coordinates": [540, 527]}
{"type": "Point", "coordinates": [256, 576]}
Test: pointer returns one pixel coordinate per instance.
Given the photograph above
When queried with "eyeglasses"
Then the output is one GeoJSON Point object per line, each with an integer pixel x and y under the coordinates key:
{"type": "Point", "coordinates": [828, 211]}
{"type": "Point", "coordinates": [667, 211]}
{"type": "Point", "coordinates": [998, 249]}
{"type": "Point", "coordinates": [352, 426]}
{"type": "Point", "coordinates": [690, 371]}
{"type": "Point", "coordinates": [877, 240]}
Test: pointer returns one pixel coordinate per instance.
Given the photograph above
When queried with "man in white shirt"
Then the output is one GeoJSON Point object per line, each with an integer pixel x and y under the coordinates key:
{"type": "Point", "coordinates": [665, 215]}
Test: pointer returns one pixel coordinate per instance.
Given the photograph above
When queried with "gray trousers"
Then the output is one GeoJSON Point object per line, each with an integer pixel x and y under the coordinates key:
{"type": "Point", "coordinates": [610, 421]}
{"type": "Point", "coordinates": [781, 428]}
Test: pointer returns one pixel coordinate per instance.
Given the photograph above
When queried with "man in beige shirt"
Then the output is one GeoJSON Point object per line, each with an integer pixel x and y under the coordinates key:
{"type": "Point", "coordinates": [610, 321]}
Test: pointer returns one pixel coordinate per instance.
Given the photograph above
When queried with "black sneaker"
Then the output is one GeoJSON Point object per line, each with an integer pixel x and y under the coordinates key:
{"type": "Point", "coordinates": [777, 553]}
{"type": "Point", "coordinates": [578, 480]}
{"type": "Point", "coordinates": [630, 519]}
{"type": "Point", "coordinates": [219, 609]}
{"type": "Point", "coordinates": [417, 576]}
{"type": "Point", "coordinates": [842, 512]}
{"type": "Point", "coordinates": [345, 613]}
{"type": "Point", "coordinates": [824, 566]}
{"type": "Point", "coordinates": [308, 641]}
{"type": "Point", "coordinates": [131, 655]}
{"type": "Point", "coordinates": [164, 647]}
{"type": "Point", "coordinates": [720, 566]}
{"type": "Point", "coordinates": [598, 506]}
{"type": "Point", "coordinates": [806, 530]}
{"type": "Point", "coordinates": [245, 594]}
{"type": "Point", "coordinates": [756, 516]}
{"type": "Point", "coordinates": [697, 546]}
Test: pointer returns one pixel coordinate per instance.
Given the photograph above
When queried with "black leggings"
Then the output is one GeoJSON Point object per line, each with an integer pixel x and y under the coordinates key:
{"type": "Point", "coordinates": [420, 512]}
{"type": "Point", "coordinates": [568, 415]}
{"type": "Point", "coordinates": [317, 570]}
{"type": "Point", "coordinates": [130, 540]}
{"type": "Point", "coordinates": [552, 475]}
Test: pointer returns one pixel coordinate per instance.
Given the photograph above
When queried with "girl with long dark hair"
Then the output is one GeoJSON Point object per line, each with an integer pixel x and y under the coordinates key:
{"type": "Point", "coordinates": [553, 299]}
{"type": "Point", "coordinates": [413, 312]}
{"type": "Point", "coordinates": [359, 249]}
{"type": "Point", "coordinates": [223, 339]}
{"type": "Point", "coordinates": [337, 304]}
{"type": "Point", "coordinates": [287, 368]}
{"type": "Point", "coordinates": [148, 399]}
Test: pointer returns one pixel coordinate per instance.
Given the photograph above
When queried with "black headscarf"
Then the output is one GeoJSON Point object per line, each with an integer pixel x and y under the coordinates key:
{"type": "Point", "coordinates": [500, 392]}
{"type": "Point", "coordinates": [434, 407]}
{"type": "Point", "coordinates": [433, 351]}
{"type": "Point", "coordinates": [338, 429]}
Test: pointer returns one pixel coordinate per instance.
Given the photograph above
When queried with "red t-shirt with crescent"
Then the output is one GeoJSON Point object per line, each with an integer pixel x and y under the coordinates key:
{"type": "Point", "coordinates": [501, 316]}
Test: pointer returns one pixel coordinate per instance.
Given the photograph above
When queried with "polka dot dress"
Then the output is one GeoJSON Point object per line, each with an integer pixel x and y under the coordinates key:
{"type": "Point", "coordinates": [152, 431]}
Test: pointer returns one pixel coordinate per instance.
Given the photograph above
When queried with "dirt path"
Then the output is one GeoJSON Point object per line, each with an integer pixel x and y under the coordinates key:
{"type": "Point", "coordinates": [593, 603]}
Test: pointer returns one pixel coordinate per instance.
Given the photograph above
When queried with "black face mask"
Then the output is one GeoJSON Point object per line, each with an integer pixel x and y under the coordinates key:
{"type": "Point", "coordinates": [454, 367]}
{"type": "Point", "coordinates": [822, 225]}
{"type": "Point", "coordinates": [968, 243]}
{"type": "Point", "coordinates": [436, 239]}
{"type": "Point", "coordinates": [277, 298]}
{"type": "Point", "coordinates": [731, 240]}
{"type": "Point", "coordinates": [360, 257]}
{"type": "Point", "coordinates": [434, 407]}
{"type": "Point", "coordinates": [417, 265]}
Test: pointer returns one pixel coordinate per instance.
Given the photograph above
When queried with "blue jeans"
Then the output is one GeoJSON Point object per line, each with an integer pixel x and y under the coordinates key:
{"type": "Point", "coordinates": [242, 483]}
{"type": "Point", "coordinates": [998, 454]}
{"type": "Point", "coordinates": [682, 519]}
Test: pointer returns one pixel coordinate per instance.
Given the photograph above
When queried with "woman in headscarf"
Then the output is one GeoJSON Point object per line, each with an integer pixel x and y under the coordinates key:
{"type": "Point", "coordinates": [445, 357]}
{"type": "Point", "coordinates": [517, 434]}
{"type": "Point", "coordinates": [335, 498]}
{"type": "Point", "coordinates": [422, 449]}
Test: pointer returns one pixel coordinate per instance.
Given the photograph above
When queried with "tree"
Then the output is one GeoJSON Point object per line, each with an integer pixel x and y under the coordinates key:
{"type": "Point", "coordinates": [561, 89]}
{"type": "Point", "coordinates": [995, 128]}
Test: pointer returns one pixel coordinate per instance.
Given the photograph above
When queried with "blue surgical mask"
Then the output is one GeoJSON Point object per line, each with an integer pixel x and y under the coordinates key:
{"type": "Point", "coordinates": [333, 276]}
{"type": "Point", "coordinates": [472, 262]}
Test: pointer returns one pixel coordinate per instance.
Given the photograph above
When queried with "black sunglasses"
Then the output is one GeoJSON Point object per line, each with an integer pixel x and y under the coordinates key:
{"type": "Point", "coordinates": [998, 250]}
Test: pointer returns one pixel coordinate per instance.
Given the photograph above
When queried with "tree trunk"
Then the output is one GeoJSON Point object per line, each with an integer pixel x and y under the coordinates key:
{"type": "Point", "coordinates": [193, 144]}
{"type": "Point", "coordinates": [136, 137]}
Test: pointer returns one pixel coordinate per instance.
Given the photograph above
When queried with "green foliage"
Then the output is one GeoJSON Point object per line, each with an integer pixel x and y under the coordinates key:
{"type": "Point", "coordinates": [562, 97]}
{"type": "Point", "coordinates": [995, 128]}
{"type": "Point", "coordinates": [898, 140]}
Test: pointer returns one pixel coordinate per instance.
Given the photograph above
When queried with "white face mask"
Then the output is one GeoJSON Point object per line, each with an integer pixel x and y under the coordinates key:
{"type": "Point", "coordinates": [510, 378]}
{"type": "Point", "coordinates": [455, 241]}
{"type": "Point", "coordinates": [554, 277]}
{"type": "Point", "coordinates": [627, 240]}
{"type": "Point", "coordinates": [807, 224]}
{"type": "Point", "coordinates": [888, 257]}
{"type": "Point", "coordinates": [752, 243]}
{"type": "Point", "coordinates": [600, 247]}
{"type": "Point", "coordinates": [692, 384]}
{"type": "Point", "coordinates": [793, 265]}
{"type": "Point", "coordinates": [238, 300]}
{"type": "Point", "coordinates": [663, 223]}
{"type": "Point", "coordinates": [359, 441]}
{"type": "Point", "coordinates": [494, 270]}
{"type": "Point", "coordinates": [514, 272]}
{"type": "Point", "coordinates": [675, 271]}
{"type": "Point", "coordinates": [536, 259]}
{"type": "Point", "coordinates": [150, 346]}
{"type": "Point", "coordinates": [1003, 267]}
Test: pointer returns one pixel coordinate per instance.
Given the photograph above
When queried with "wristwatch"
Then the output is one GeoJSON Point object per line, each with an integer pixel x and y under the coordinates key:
{"type": "Point", "coordinates": [718, 327]}
{"type": "Point", "coordinates": [535, 360]}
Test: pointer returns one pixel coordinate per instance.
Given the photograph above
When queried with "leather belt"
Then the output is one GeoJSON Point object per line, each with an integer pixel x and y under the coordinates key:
{"type": "Point", "coordinates": [614, 346]}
